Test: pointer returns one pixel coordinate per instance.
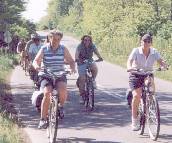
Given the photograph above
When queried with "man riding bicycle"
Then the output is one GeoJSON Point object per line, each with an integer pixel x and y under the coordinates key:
{"type": "Point", "coordinates": [144, 58]}
{"type": "Point", "coordinates": [84, 52]}
{"type": "Point", "coordinates": [53, 55]}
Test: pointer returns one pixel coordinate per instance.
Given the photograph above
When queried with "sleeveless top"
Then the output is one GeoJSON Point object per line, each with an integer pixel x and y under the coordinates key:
{"type": "Point", "coordinates": [86, 53]}
{"type": "Point", "coordinates": [53, 60]}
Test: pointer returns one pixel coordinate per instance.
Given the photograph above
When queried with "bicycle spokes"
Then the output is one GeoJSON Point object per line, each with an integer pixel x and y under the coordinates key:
{"type": "Point", "coordinates": [153, 118]}
{"type": "Point", "coordinates": [53, 122]}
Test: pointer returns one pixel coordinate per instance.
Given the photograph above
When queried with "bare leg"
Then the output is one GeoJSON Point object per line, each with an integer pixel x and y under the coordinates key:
{"type": "Point", "coordinates": [62, 90]}
{"type": "Point", "coordinates": [82, 80]}
{"type": "Point", "coordinates": [135, 102]}
{"type": "Point", "coordinates": [94, 70]}
{"type": "Point", "coordinates": [45, 102]}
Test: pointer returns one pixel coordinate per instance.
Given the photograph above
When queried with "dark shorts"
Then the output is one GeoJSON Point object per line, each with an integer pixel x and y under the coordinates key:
{"type": "Point", "coordinates": [45, 81]}
{"type": "Point", "coordinates": [136, 81]}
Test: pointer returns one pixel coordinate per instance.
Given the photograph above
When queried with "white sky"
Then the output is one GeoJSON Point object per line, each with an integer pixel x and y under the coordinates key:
{"type": "Point", "coordinates": [35, 9]}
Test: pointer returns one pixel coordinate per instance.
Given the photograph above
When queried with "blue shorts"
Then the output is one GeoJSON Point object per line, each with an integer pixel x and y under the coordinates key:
{"type": "Point", "coordinates": [82, 69]}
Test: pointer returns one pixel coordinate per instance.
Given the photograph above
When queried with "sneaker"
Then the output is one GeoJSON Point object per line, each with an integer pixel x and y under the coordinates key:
{"type": "Point", "coordinates": [135, 124]}
{"type": "Point", "coordinates": [94, 84]}
{"type": "Point", "coordinates": [43, 124]}
{"type": "Point", "coordinates": [61, 112]}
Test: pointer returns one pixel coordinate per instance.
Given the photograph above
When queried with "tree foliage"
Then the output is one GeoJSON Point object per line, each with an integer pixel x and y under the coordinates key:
{"type": "Point", "coordinates": [10, 18]}
{"type": "Point", "coordinates": [115, 24]}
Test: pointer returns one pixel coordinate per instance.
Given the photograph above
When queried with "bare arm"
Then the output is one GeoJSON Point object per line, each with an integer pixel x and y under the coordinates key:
{"type": "Point", "coordinates": [38, 59]}
{"type": "Point", "coordinates": [129, 64]}
{"type": "Point", "coordinates": [97, 53]}
{"type": "Point", "coordinates": [69, 59]}
{"type": "Point", "coordinates": [77, 54]}
{"type": "Point", "coordinates": [18, 48]}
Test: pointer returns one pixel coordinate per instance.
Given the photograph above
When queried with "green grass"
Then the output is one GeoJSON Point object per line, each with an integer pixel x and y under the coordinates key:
{"type": "Point", "coordinates": [9, 131]}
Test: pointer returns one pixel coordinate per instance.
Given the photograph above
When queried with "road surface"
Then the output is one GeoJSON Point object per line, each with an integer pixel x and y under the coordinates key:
{"type": "Point", "coordinates": [108, 123]}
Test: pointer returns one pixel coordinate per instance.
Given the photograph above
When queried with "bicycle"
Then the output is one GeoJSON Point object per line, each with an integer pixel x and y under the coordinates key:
{"type": "Point", "coordinates": [53, 113]}
{"type": "Point", "coordinates": [148, 108]}
{"type": "Point", "coordinates": [89, 87]}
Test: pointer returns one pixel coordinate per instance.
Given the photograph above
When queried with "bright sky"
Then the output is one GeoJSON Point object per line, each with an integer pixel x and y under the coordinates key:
{"type": "Point", "coordinates": [35, 9]}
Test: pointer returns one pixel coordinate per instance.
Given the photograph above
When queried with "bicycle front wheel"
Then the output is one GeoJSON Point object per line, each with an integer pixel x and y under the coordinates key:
{"type": "Point", "coordinates": [53, 121]}
{"type": "Point", "coordinates": [153, 117]}
{"type": "Point", "coordinates": [90, 95]}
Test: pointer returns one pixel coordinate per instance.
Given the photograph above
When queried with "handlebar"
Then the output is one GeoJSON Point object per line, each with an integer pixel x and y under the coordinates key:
{"type": "Point", "coordinates": [89, 61]}
{"type": "Point", "coordinates": [146, 72]}
{"type": "Point", "coordinates": [51, 73]}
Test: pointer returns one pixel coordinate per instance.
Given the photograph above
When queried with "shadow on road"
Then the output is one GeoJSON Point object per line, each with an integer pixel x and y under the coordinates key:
{"type": "Point", "coordinates": [165, 99]}
{"type": "Point", "coordinates": [27, 112]}
{"type": "Point", "coordinates": [109, 111]}
{"type": "Point", "coordinates": [81, 140]}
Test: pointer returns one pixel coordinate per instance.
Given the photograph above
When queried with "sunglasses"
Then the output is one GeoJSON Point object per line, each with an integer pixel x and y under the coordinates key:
{"type": "Point", "coordinates": [87, 40]}
{"type": "Point", "coordinates": [147, 41]}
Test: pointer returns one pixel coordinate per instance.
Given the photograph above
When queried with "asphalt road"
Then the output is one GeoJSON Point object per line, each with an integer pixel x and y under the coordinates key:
{"type": "Point", "coordinates": [108, 123]}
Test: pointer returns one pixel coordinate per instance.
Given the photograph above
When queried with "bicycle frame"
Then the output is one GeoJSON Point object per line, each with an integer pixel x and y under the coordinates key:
{"type": "Point", "coordinates": [54, 114]}
{"type": "Point", "coordinates": [149, 109]}
{"type": "Point", "coordinates": [89, 87]}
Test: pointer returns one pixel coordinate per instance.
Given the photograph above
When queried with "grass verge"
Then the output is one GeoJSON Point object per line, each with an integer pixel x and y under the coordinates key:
{"type": "Point", "coordinates": [9, 130]}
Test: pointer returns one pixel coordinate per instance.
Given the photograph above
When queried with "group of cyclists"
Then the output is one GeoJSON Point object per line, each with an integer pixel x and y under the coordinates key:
{"type": "Point", "coordinates": [53, 55]}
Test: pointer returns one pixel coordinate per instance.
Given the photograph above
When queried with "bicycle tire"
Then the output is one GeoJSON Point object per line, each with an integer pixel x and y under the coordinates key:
{"type": "Point", "coordinates": [90, 94]}
{"type": "Point", "coordinates": [142, 116]}
{"type": "Point", "coordinates": [153, 118]}
{"type": "Point", "coordinates": [53, 121]}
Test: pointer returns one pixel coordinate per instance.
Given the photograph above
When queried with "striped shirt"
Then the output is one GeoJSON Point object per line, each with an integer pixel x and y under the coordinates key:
{"type": "Point", "coordinates": [53, 60]}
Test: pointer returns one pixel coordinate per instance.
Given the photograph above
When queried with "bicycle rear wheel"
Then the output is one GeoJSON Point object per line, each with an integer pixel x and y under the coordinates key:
{"type": "Point", "coordinates": [90, 95]}
{"type": "Point", "coordinates": [142, 113]}
{"type": "Point", "coordinates": [53, 121]}
{"type": "Point", "coordinates": [153, 118]}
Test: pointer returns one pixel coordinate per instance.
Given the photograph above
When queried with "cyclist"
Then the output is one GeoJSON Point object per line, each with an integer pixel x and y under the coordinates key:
{"type": "Point", "coordinates": [53, 56]}
{"type": "Point", "coordinates": [84, 52]}
{"type": "Point", "coordinates": [144, 58]}
{"type": "Point", "coordinates": [32, 51]}
{"type": "Point", "coordinates": [21, 50]}
{"type": "Point", "coordinates": [30, 42]}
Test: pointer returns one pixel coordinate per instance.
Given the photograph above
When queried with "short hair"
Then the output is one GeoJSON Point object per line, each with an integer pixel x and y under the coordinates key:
{"type": "Point", "coordinates": [146, 37]}
{"type": "Point", "coordinates": [55, 32]}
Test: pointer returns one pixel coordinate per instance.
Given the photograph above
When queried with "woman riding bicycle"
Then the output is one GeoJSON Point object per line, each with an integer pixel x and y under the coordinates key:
{"type": "Point", "coordinates": [144, 58]}
{"type": "Point", "coordinates": [84, 52]}
{"type": "Point", "coordinates": [53, 56]}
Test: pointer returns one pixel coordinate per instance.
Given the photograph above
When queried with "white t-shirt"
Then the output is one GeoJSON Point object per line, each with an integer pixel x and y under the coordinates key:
{"type": "Point", "coordinates": [140, 61]}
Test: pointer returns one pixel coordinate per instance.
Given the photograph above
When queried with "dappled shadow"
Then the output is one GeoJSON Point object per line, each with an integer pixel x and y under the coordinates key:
{"type": "Point", "coordinates": [109, 111]}
{"type": "Point", "coordinates": [81, 140]}
{"type": "Point", "coordinates": [27, 112]}
{"type": "Point", "coordinates": [166, 136]}
{"type": "Point", "coordinates": [164, 100]}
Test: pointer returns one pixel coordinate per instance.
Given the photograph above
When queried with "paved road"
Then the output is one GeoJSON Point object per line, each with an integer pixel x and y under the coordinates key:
{"type": "Point", "coordinates": [108, 123]}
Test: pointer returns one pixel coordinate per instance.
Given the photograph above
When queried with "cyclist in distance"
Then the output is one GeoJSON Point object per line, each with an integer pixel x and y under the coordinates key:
{"type": "Point", "coordinates": [34, 47]}
{"type": "Point", "coordinates": [142, 57]}
{"type": "Point", "coordinates": [21, 50]}
{"type": "Point", "coordinates": [32, 51]}
{"type": "Point", "coordinates": [29, 43]}
{"type": "Point", "coordinates": [53, 55]}
{"type": "Point", "coordinates": [84, 52]}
